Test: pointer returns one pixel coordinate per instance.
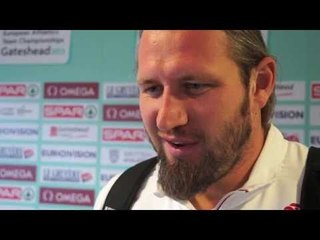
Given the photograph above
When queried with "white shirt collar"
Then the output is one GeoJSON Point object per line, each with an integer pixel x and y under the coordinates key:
{"type": "Point", "coordinates": [269, 161]}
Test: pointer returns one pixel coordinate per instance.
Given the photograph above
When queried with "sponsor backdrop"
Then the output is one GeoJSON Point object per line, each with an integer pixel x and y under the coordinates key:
{"type": "Point", "coordinates": [69, 114]}
{"type": "Point", "coordinates": [297, 111]}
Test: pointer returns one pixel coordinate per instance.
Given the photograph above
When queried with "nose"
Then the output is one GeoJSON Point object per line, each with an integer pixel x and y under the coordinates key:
{"type": "Point", "coordinates": [172, 113]}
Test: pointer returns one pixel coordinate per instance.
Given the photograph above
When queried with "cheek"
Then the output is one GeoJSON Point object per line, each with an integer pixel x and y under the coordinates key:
{"type": "Point", "coordinates": [148, 115]}
{"type": "Point", "coordinates": [213, 116]}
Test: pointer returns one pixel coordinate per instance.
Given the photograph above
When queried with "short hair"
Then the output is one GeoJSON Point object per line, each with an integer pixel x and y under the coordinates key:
{"type": "Point", "coordinates": [247, 50]}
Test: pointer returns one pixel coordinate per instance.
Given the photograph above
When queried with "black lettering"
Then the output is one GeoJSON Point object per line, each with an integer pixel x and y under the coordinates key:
{"type": "Point", "coordinates": [5, 51]}
{"type": "Point", "coordinates": [289, 114]}
{"type": "Point", "coordinates": [315, 140]}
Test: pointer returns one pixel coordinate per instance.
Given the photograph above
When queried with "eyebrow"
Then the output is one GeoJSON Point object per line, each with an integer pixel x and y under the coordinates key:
{"type": "Point", "coordinates": [145, 81]}
{"type": "Point", "coordinates": [184, 78]}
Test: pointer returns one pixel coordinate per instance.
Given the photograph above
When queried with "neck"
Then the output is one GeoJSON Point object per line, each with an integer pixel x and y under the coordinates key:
{"type": "Point", "coordinates": [236, 177]}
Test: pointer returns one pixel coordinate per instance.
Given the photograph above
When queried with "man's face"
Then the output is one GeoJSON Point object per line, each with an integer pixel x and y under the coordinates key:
{"type": "Point", "coordinates": [194, 106]}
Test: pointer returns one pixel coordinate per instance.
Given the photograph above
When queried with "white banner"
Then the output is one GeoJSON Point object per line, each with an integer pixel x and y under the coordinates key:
{"type": "Point", "coordinates": [19, 111]}
{"type": "Point", "coordinates": [69, 132]}
{"type": "Point", "coordinates": [289, 115]}
{"type": "Point", "coordinates": [68, 154]}
{"type": "Point", "coordinates": [291, 90]}
{"type": "Point", "coordinates": [34, 46]}
{"type": "Point", "coordinates": [123, 156]}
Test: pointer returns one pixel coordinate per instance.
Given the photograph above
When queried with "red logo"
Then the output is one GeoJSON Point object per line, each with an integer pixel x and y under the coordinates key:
{"type": "Point", "coordinates": [53, 131]}
{"type": "Point", "coordinates": [76, 90]}
{"type": "Point", "coordinates": [124, 135]}
{"type": "Point", "coordinates": [315, 90]}
{"type": "Point", "coordinates": [13, 193]}
{"type": "Point", "coordinates": [12, 90]}
{"type": "Point", "coordinates": [121, 113]}
{"type": "Point", "coordinates": [63, 111]}
{"type": "Point", "coordinates": [18, 173]}
{"type": "Point", "coordinates": [83, 197]}
{"type": "Point", "coordinates": [86, 176]}
{"type": "Point", "coordinates": [292, 137]}
{"type": "Point", "coordinates": [293, 206]}
{"type": "Point", "coordinates": [27, 153]}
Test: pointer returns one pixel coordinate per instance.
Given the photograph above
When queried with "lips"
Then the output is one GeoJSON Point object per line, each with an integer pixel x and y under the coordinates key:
{"type": "Point", "coordinates": [179, 147]}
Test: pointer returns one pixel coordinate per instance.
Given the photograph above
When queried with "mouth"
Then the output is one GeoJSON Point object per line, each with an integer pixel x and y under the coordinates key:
{"type": "Point", "coordinates": [179, 145]}
{"type": "Point", "coordinates": [180, 148]}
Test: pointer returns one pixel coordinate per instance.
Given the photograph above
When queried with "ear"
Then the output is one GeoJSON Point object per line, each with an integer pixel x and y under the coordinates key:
{"type": "Point", "coordinates": [265, 81]}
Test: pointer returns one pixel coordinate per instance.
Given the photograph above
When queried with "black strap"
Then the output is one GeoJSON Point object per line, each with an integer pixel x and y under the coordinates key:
{"type": "Point", "coordinates": [124, 191]}
{"type": "Point", "coordinates": [310, 193]}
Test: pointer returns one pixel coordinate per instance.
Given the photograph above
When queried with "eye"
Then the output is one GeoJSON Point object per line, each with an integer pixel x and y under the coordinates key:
{"type": "Point", "coordinates": [153, 91]}
{"type": "Point", "coordinates": [194, 88]}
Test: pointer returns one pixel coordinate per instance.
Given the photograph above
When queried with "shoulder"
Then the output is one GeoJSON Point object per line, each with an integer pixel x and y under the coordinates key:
{"type": "Point", "coordinates": [102, 195]}
{"type": "Point", "coordinates": [296, 154]}
{"type": "Point", "coordinates": [128, 182]}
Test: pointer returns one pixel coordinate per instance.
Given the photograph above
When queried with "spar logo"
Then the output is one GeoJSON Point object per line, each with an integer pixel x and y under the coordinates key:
{"type": "Point", "coordinates": [18, 173]}
{"type": "Point", "coordinates": [121, 113]}
{"type": "Point", "coordinates": [12, 193]}
{"type": "Point", "coordinates": [315, 90]}
{"type": "Point", "coordinates": [13, 90]}
{"type": "Point", "coordinates": [124, 135]}
{"type": "Point", "coordinates": [74, 90]}
{"type": "Point", "coordinates": [19, 90]}
{"type": "Point", "coordinates": [70, 111]}
{"type": "Point", "coordinates": [67, 196]}
{"type": "Point", "coordinates": [17, 193]}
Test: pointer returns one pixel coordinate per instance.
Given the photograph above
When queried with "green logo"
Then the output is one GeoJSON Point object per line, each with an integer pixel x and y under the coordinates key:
{"type": "Point", "coordinates": [28, 194]}
{"type": "Point", "coordinates": [33, 90]}
{"type": "Point", "coordinates": [90, 111]}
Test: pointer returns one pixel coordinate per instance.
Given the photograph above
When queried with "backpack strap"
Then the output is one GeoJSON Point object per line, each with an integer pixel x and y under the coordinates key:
{"type": "Point", "coordinates": [124, 191]}
{"type": "Point", "coordinates": [310, 193]}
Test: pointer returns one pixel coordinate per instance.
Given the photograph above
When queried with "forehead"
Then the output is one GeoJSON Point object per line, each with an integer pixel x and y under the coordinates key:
{"type": "Point", "coordinates": [166, 54]}
{"type": "Point", "coordinates": [197, 41]}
